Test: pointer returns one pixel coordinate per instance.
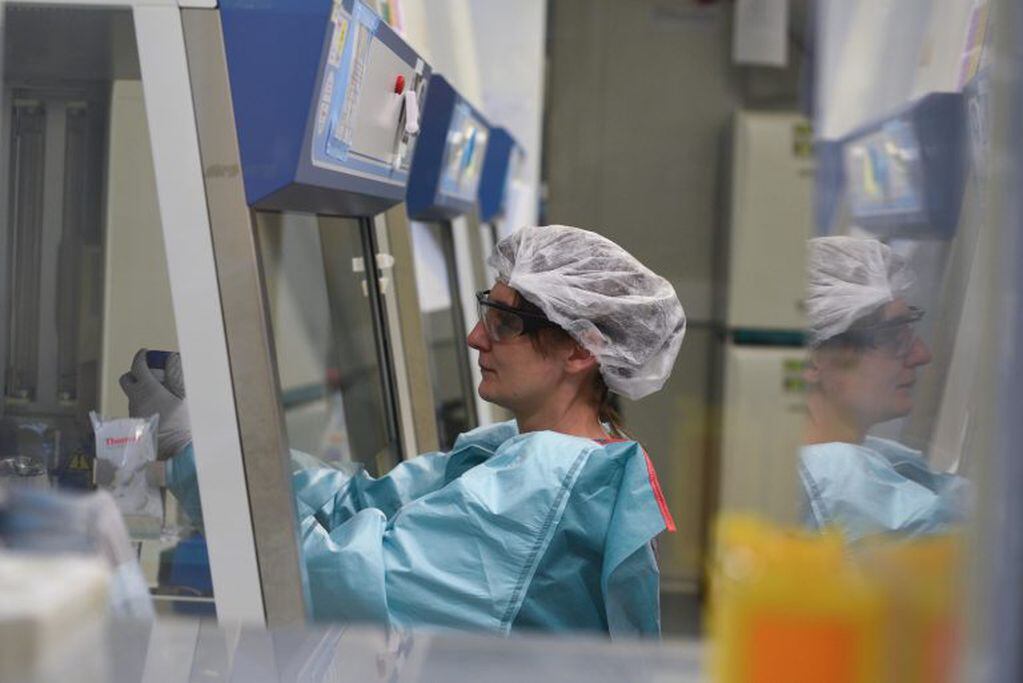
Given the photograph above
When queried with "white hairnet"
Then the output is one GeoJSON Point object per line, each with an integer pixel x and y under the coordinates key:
{"type": "Point", "coordinates": [849, 278]}
{"type": "Point", "coordinates": [619, 310]}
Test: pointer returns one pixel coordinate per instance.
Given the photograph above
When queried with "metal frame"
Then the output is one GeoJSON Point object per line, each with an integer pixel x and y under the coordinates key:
{"type": "Point", "coordinates": [403, 386]}
{"type": "Point", "coordinates": [404, 308]}
{"type": "Point", "coordinates": [199, 313]}
{"type": "Point", "coordinates": [14, 238]}
{"type": "Point", "coordinates": [382, 336]}
{"type": "Point", "coordinates": [5, 160]}
{"type": "Point", "coordinates": [250, 348]}
{"type": "Point", "coordinates": [53, 210]}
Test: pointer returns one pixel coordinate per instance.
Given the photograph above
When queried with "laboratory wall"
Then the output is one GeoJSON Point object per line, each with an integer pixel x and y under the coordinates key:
{"type": "Point", "coordinates": [641, 97]}
{"type": "Point", "coordinates": [639, 101]}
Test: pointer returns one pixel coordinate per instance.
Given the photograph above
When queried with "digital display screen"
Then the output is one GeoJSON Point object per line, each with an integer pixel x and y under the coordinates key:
{"type": "Point", "coordinates": [463, 154]}
{"type": "Point", "coordinates": [360, 112]}
{"type": "Point", "coordinates": [885, 172]}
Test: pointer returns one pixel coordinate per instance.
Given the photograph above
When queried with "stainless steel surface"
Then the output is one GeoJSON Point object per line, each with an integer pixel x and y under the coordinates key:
{"type": "Point", "coordinates": [391, 455]}
{"type": "Point", "coordinates": [53, 219]}
{"type": "Point", "coordinates": [192, 651]}
{"type": "Point", "coordinates": [246, 322]}
{"type": "Point", "coordinates": [402, 387]}
{"type": "Point", "coordinates": [406, 300]}
{"type": "Point", "coordinates": [5, 134]}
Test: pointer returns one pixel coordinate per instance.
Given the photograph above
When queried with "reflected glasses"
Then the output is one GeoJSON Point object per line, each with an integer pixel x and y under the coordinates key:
{"type": "Point", "coordinates": [895, 336]}
{"type": "Point", "coordinates": [503, 322]}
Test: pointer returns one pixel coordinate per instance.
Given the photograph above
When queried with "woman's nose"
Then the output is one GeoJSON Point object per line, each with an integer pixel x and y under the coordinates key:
{"type": "Point", "coordinates": [919, 354]}
{"type": "Point", "coordinates": [478, 338]}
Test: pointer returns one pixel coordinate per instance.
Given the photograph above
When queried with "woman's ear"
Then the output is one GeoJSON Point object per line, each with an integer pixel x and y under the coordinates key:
{"type": "Point", "coordinates": [579, 359]}
{"type": "Point", "coordinates": [812, 368]}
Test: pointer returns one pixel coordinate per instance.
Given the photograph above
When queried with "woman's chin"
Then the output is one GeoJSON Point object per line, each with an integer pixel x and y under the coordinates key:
{"type": "Point", "coordinates": [486, 390]}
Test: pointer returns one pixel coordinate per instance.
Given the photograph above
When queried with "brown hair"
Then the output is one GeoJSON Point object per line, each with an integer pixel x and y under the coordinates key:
{"type": "Point", "coordinates": [845, 349]}
{"type": "Point", "coordinates": [544, 340]}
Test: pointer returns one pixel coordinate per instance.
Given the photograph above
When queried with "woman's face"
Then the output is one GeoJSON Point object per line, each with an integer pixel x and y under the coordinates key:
{"type": "Point", "coordinates": [516, 376]}
{"type": "Point", "coordinates": [874, 384]}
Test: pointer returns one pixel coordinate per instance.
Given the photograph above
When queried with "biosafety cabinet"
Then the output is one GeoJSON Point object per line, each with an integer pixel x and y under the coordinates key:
{"type": "Point", "coordinates": [442, 203]}
{"type": "Point", "coordinates": [227, 182]}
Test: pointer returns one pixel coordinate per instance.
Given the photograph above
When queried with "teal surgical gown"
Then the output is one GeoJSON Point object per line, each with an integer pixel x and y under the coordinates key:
{"type": "Point", "coordinates": [879, 486]}
{"type": "Point", "coordinates": [540, 531]}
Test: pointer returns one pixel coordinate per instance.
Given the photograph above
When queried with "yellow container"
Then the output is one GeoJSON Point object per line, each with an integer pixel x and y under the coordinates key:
{"type": "Point", "coordinates": [798, 607]}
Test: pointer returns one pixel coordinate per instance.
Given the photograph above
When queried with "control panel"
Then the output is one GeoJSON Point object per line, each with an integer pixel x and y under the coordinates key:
{"type": "Point", "coordinates": [905, 175]}
{"type": "Point", "coordinates": [448, 162]}
{"type": "Point", "coordinates": [326, 101]}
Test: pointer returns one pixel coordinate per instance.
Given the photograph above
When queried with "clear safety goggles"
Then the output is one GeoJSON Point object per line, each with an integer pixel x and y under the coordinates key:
{"type": "Point", "coordinates": [896, 336]}
{"type": "Point", "coordinates": [503, 322]}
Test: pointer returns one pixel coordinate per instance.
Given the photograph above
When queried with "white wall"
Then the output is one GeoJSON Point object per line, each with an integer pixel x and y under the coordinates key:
{"type": "Point", "coordinates": [512, 68]}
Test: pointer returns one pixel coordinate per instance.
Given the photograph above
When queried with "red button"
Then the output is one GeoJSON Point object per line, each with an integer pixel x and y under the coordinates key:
{"type": "Point", "coordinates": [399, 85]}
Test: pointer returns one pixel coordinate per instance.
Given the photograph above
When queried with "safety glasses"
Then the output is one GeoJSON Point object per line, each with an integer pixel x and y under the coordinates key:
{"type": "Point", "coordinates": [503, 322]}
{"type": "Point", "coordinates": [896, 336]}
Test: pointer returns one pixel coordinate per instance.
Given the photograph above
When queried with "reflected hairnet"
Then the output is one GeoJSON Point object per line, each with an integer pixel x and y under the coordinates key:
{"type": "Point", "coordinates": [623, 313]}
{"type": "Point", "coordinates": [849, 278]}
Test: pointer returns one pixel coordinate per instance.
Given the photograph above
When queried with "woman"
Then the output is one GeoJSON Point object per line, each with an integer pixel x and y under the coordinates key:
{"type": "Point", "coordinates": [542, 522]}
{"type": "Point", "coordinates": [862, 371]}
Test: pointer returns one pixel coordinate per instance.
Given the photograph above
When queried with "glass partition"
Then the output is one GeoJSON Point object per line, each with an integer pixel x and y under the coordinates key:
{"type": "Point", "coordinates": [896, 295]}
{"type": "Point", "coordinates": [330, 340]}
{"type": "Point", "coordinates": [444, 330]}
{"type": "Point", "coordinates": [86, 286]}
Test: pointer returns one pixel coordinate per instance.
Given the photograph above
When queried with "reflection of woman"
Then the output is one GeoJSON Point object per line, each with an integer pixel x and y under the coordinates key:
{"type": "Point", "coordinates": [544, 522]}
{"type": "Point", "coordinates": [862, 370]}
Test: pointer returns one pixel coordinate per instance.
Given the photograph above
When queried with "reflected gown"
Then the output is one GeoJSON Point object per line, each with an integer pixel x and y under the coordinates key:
{"type": "Point", "coordinates": [879, 486]}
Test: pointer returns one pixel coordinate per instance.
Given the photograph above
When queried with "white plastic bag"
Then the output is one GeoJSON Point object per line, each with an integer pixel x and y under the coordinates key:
{"type": "Point", "coordinates": [128, 445]}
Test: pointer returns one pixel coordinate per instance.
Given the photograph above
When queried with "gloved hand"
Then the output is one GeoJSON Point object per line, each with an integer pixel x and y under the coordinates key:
{"type": "Point", "coordinates": [148, 396]}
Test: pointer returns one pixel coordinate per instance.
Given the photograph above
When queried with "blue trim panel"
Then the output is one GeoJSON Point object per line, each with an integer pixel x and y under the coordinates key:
{"type": "Point", "coordinates": [273, 51]}
{"type": "Point", "coordinates": [495, 174]}
{"type": "Point", "coordinates": [747, 337]}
